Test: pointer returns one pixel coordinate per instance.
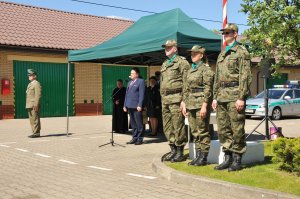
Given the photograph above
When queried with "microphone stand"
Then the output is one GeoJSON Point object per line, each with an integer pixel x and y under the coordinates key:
{"type": "Point", "coordinates": [112, 142]}
{"type": "Point", "coordinates": [266, 118]}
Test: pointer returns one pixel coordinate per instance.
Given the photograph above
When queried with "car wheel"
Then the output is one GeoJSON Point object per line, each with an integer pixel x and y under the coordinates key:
{"type": "Point", "coordinates": [276, 113]}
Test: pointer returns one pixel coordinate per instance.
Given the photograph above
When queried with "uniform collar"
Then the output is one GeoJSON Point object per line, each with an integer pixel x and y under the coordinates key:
{"type": "Point", "coordinates": [170, 60]}
{"type": "Point", "coordinates": [195, 66]}
{"type": "Point", "coordinates": [33, 81]}
{"type": "Point", "coordinates": [231, 47]}
{"type": "Point", "coordinates": [234, 48]}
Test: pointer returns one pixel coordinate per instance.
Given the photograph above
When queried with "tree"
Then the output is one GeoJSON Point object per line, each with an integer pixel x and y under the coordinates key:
{"type": "Point", "coordinates": [275, 30]}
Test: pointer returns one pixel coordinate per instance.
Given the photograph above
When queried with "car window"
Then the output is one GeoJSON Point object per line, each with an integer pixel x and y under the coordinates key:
{"type": "Point", "coordinates": [289, 93]}
{"type": "Point", "coordinates": [297, 93]}
{"type": "Point", "coordinates": [273, 94]}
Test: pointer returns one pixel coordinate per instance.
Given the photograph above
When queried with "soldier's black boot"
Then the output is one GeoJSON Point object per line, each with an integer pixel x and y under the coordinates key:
{"type": "Point", "coordinates": [179, 157]}
{"type": "Point", "coordinates": [168, 156]}
{"type": "Point", "coordinates": [202, 160]}
{"type": "Point", "coordinates": [226, 163]}
{"type": "Point", "coordinates": [237, 162]}
{"type": "Point", "coordinates": [198, 153]}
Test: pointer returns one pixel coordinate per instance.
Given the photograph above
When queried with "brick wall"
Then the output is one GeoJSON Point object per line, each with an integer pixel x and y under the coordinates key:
{"type": "Point", "coordinates": [7, 56]}
{"type": "Point", "coordinates": [88, 79]}
{"type": "Point", "coordinates": [293, 74]}
{"type": "Point", "coordinates": [88, 88]}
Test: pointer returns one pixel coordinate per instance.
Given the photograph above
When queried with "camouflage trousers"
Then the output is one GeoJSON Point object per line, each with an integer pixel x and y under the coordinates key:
{"type": "Point", "coordinates": [199, 130]}
{"type": "Point", "coordinates": [231, 127]}
{"type": "Point", "coordinates": [35, 123]}
{"type": "Point", "coordinates": [173, 124]}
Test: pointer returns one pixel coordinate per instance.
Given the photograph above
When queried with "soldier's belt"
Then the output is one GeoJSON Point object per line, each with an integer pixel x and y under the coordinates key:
{"type": "Point", "coordinates": [229, 84]}
{"type": "Point", "coordinates": [173, 91]}
{"type": "Point", "coordinates": [197, 90]}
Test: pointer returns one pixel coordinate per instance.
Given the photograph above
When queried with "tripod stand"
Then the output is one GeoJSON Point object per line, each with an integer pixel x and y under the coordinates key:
{"type": "Point", "coordinates": [112, 142]}
{"type": "Point", "coordinates": [266, 118]}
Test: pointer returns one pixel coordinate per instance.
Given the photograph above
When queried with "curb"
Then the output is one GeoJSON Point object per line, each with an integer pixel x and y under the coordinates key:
{"type": "Point", "coordinates": [227, 189]}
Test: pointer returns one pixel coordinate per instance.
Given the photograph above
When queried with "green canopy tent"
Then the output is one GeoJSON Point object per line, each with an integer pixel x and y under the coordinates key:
{"type": "Point", "coordinates": [141, 43]}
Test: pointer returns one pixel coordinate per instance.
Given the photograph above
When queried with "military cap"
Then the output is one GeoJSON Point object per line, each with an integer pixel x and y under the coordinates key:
{"type": "Point", "coordinates": [197, 48]}
{"type": "Point", "coordinates": [31, 72]}
{"type": "Point", "coordinates": [169, 43]}
{"type": "Point", "coordinates": [231, 26]}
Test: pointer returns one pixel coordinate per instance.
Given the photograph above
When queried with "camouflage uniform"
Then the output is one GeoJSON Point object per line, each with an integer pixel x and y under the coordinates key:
{"type": "Point", "coordinates": [171, 89]}
{"type": "Point", "coordinates": [232, 82]}
{"type": "Point", "coordinates": [198, 90]}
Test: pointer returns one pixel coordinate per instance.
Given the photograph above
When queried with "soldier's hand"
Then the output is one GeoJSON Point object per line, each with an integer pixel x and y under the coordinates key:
{"type": "Point", "coordinates": [182, 105]}
{"type": "Point", "coordinates": [183, 110]}
{"type": "Point", "coordinates": [203, 112]}
{"type": "Point", "coordinates": [36, 108]}
{"type": "Point", "coordinates": [139, 109]}
{"type": "Point", "coordinates": [124, 109]}
{"type": "Point", "coordinates": [214, 104]}
{"type": "Point", "coordinates": [240, 104]}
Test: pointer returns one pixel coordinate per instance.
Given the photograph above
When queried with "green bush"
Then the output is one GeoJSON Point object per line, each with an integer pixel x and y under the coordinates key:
{"type": "Point", "coordinates": [287, 154]}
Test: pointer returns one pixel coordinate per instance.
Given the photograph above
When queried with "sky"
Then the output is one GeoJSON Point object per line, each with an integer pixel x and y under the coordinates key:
{"type": "Point", "coordinates": [202, 9]}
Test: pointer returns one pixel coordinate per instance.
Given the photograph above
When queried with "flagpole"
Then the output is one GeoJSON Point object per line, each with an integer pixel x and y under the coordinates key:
{"type": "Point", "coordinates": [224, 21]}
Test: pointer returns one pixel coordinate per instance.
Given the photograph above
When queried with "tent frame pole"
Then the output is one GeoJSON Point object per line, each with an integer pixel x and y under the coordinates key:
{"type": "Point", "coordinates": [68, 97]}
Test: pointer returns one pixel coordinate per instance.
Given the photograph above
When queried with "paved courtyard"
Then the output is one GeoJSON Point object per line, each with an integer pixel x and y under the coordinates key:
{"type": "Point", "coordinates": [56, 166]}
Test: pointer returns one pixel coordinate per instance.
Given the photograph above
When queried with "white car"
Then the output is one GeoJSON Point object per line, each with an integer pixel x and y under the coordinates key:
{"type": "Point", "coordinates": [282, 102]}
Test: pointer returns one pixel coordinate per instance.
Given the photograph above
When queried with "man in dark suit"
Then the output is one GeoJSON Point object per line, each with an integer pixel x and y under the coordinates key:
{"type": "Point", "coordinates": [133, 104]}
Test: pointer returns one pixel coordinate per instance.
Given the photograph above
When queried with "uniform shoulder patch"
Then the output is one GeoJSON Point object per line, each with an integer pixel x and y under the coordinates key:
{"type": "Point", "coordinates": [247, 56]}
{"type": "Point", "coordinates": [243, 47]}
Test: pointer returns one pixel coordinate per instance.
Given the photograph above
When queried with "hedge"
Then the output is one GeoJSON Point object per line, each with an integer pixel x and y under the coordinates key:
{"type": "Point", "coordinates": [287, 154]}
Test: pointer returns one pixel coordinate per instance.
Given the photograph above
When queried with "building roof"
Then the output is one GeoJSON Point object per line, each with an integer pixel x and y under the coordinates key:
{"type": "Point", "coordinates": [29, 26]}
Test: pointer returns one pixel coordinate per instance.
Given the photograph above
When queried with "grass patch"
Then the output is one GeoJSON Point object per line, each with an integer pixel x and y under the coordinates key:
{"type": "Point", "coordinates": [262, 175]}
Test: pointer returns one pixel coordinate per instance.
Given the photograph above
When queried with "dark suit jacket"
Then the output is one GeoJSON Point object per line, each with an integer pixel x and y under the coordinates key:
{"type": "Point", "coordinates": [135, 94]}
{"type": "Point", "coordinates": [152, 98]}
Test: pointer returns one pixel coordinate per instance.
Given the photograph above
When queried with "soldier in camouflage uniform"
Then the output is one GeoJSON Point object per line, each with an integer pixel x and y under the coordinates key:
{"type": "Point", "coordinates": [197, 100]}
{"type": "Point", "coordinates": [231, 88]}
{"type": "Point", "coordinates": [173, 74]}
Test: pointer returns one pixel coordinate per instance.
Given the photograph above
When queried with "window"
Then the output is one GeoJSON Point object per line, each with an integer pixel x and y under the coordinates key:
{"type": "Point", "coordinates": [273, 94]}
{"type": "Point", "coordinates": [289, 93]}
{"type": "Point", "coordinates": [297, 93]}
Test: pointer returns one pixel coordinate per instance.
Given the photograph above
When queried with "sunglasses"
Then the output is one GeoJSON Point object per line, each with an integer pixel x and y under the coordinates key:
{"type": "Point", "coordinates": [226, 33]}
{"type": "Point", "coordinates": [194, 53]}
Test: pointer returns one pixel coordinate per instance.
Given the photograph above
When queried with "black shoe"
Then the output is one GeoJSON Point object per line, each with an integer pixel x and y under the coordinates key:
{"type": "Point", "coordinates": [179, 157]}
{"type": "Point", "coordinates": [237, 163]}
{"type": "Point", "coordinates": [170, 155]}
{"type": "Point", "coordinates": [198, 153]}
{"type": "Point", "coordinates": [202, 160]}
{"type": "Point", "coordinates": [34, 136]}
{"type": "Point", "coordinates": [131, 141]}
{"type": "Point", "coordinates": [226, 163]}
{"type": "Point", "coordinates": [139, 142]}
